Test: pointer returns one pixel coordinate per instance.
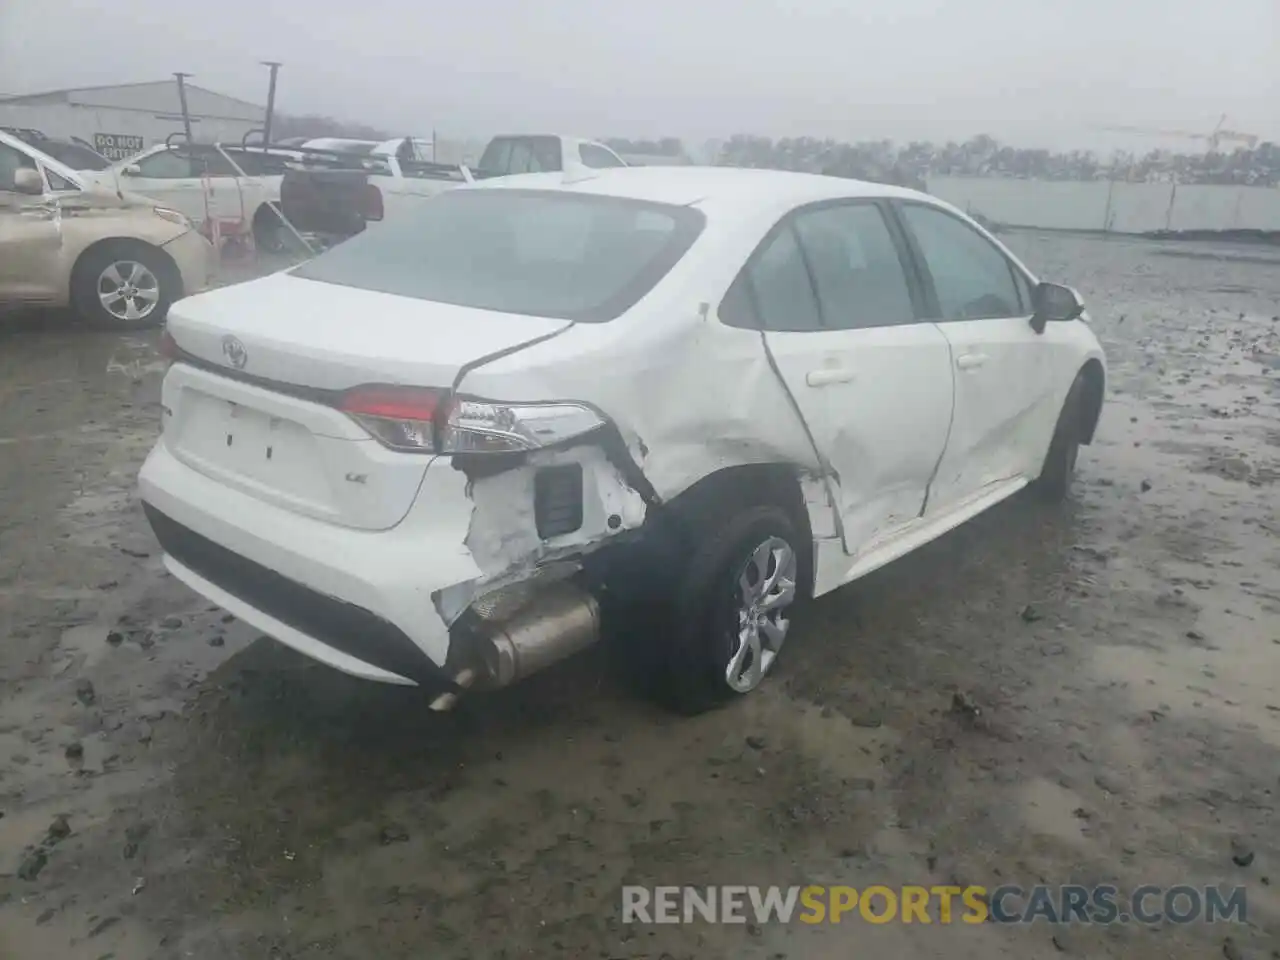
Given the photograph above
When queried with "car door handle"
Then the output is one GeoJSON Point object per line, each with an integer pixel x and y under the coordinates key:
{"type": "Point", "coordinates": [828, 375]}
{"type": "Point", "coordinates": [969, 361]}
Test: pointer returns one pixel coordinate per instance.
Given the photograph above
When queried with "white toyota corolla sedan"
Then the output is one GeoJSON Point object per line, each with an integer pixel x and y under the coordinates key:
{"type": "Point", "coordinates": [446, 452]}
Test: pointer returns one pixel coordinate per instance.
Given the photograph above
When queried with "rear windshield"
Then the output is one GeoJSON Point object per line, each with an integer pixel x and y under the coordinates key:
{"type": "Point", "coordinates": [541, 253]}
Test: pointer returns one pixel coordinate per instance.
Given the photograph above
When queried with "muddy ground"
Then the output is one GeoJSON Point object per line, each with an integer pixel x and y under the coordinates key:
{"type": "Point", "coordinates": [225, 798]}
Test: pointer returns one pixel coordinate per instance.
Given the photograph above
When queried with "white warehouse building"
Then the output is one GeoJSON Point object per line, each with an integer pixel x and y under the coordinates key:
{"type": "Point", "coordinates": [122, 119]}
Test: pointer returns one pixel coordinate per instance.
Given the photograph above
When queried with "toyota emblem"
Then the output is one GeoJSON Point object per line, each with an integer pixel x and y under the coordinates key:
{"type": "Point", "coordinates": [235, 352]}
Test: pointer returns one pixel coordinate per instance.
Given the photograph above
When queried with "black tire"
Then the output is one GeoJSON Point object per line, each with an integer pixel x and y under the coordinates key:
{"type": "Point", "coordinates": [90, 277]}
{"type": "Point", "coordinates": [1060, 462]}
{"type": "Point", "coordinates": [269, 234]}
{"type": "Point", "coordinates": [703, 625]}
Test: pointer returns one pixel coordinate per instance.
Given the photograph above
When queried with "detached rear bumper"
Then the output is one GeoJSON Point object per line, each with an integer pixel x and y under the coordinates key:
{"type": "Point", "coordinates": [360, 601]}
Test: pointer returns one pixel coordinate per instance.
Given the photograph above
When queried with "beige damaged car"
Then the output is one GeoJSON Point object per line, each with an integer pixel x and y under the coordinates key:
{"type": "Point", "coordinates": [117, 258]}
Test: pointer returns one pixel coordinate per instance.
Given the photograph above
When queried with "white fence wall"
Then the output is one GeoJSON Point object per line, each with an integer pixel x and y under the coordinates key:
{"type": "Point", "coordinates": [1116, 207]}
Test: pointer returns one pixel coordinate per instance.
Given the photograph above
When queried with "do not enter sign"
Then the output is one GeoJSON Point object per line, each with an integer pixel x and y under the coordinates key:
{"type": "Point", "coordinates": [117, 146]}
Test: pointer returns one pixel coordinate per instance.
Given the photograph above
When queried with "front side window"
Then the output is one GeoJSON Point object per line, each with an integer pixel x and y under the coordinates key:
{"type": "Point", "coordinates": [597, 157]}
{"type": "Point", "coordinates": [972, 277]}
{"type": "Point", "coordinates": [540, 253]}
{"type": "Point", "coordinates": [856, 268]}
{"type": "Point", "coordinates": [255, 163]}
{"type": "Point", "coordinates": [1026, 291]}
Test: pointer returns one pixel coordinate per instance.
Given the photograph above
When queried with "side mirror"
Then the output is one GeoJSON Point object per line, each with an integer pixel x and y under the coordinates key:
{"type": "Point", "coordinates": [28, 180]}
{"type": "Point", "coordinates": [132, 170]}
{"type": "Point", "coordinates": [1054, 302]}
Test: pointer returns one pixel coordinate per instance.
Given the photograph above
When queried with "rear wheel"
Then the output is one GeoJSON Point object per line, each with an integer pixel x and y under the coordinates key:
{"type": "Point", "coordinates": [124, 285]}
{"type": "Point", "coordinates": [270, 235]}
{"type": "Point", "coordinates": [1060, 462]}
{"type": "Point", "coordinates": [732, 608]}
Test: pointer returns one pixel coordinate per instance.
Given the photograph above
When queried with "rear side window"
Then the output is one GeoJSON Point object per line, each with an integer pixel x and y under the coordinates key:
{"type": "Point", "coordinates": [509, 155]}
{"type": "Point", "coordinates": [542, 253]}
{"type": "Point", "coordinates": [59, 183]}
{"type": "Point", "coordinates": [75, 156]}
{"type": "Point", "coordinates": [597, 157]}
{"type": "Point", "coordinates": [165, 165]}
{"type": "Point", "coordinates": [774, 292]}
{"type": "Point", "coordinates": [211, 163]}
{"type": "Point", "coordinates": [255, 163]}
{"type": "Point", "coordinates": [972, 277]}
{"type": "Point", "coordinates": [856, 269]}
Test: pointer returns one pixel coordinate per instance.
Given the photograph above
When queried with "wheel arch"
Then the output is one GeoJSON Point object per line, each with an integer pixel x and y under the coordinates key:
{"type": "Point", "coordinates": [1094, 379]}
{"type": "Point", "coordinates": [170, 265]}
{"type": "Point", "coordinates": [730, 489]}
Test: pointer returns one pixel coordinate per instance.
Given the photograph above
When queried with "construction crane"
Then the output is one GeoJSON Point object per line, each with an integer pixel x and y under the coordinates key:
{"type": "Point", "coordinates": [1215, 137]}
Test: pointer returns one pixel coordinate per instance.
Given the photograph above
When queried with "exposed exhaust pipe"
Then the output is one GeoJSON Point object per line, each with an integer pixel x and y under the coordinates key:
{"type": "Point", "coordinates": [449, 699]}
{"type": "Point", "coordinates": [561, 619]}
{"type": "Point", "coordinates": [558, 623]}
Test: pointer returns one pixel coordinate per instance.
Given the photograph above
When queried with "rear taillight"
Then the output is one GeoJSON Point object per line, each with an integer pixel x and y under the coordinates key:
{"type": "Point", "coordinates": [371, 202]}
{"type": "Point", "coordinates": [412, 419]}
{"type": "Point", "coordinates": [400, 417]}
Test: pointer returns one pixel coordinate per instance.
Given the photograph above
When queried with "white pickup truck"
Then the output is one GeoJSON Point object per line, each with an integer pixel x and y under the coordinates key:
{"type": "Point", "coordinates": [235, 185]}
{"type": "Point", "coordinates": [336, 199]}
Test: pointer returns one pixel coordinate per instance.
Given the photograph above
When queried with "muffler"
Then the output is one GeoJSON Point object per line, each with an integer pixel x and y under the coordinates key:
{"type": "Point", "coordinates": [559, 621]}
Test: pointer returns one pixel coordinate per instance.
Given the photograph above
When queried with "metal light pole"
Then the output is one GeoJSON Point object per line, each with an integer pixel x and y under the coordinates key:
{"type": "Point", "coordinates": [274, 67]}
{"type": "Point", "coordinates": [182, 101]}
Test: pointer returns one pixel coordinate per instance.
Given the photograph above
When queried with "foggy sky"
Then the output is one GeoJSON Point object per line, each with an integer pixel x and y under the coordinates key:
{"type": "Point", "coordinates": [1035, 73]}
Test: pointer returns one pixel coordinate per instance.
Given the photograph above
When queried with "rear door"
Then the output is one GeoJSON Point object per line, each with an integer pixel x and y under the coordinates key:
{"type": "Point", "coordinates": [830, 288]}
{"type": "Point", "coordinates": [1005, 391]}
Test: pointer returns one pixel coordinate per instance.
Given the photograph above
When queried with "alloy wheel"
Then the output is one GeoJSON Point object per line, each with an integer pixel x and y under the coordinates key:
{"type": "Point", "coordinates": [765, 590]}
{"type": "Point", "coordinates": [129, 291]}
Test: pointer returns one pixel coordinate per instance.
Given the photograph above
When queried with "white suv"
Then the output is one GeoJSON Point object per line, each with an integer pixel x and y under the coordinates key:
{"type": "Point", "coordinates": [441, 453]}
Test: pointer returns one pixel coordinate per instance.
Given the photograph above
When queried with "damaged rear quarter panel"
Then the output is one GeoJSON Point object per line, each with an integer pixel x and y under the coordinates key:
{"type": "Point", "coordinates": [503, 532]}
{"type": "Point", "coordinates": [688, 395]}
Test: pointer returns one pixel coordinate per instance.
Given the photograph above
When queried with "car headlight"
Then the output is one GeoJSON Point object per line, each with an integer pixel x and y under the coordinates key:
{"type": "Point", "coordinates": [174, 216]}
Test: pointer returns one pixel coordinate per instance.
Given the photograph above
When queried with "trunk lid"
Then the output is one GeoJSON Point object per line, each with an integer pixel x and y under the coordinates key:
{"type": "Point", "coordinates": [265, 422]}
